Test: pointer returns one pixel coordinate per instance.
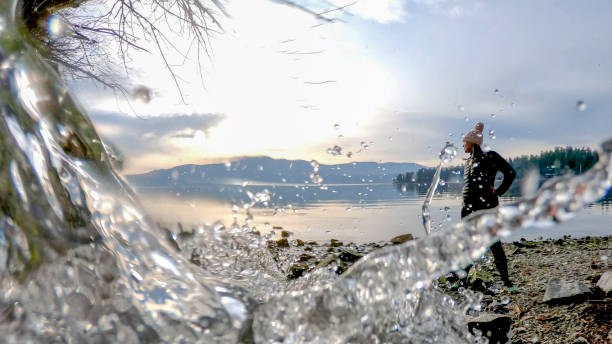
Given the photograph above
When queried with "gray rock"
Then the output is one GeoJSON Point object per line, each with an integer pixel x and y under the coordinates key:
{"type": "Point", "coordinates": [561, 291]}
{"type": "Point", "coordinates": [493, 326]}
{"type": "Point", "coordinates": [605, 282]}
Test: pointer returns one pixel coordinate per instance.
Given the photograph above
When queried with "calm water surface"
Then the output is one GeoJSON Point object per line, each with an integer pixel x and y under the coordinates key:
{"type": "Point", "coordinates": [359, 213]}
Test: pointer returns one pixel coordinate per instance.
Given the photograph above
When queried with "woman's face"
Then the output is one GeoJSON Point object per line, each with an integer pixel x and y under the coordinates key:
{"type": "Point", "coordinates": [467, 147]}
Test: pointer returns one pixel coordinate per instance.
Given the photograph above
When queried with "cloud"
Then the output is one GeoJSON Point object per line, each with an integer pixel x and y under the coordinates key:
{"type": "Point", "coordinates": [380, 11]}
{"type": "Point", "coordinates": [168, 135]}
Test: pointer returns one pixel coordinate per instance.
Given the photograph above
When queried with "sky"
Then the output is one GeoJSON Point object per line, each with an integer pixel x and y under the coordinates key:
{"type": "Point", "coordinates": [400, 77]}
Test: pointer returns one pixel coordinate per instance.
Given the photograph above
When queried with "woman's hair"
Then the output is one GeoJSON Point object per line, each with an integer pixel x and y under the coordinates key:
{"type": "Point", "coordinates": [477, 150]}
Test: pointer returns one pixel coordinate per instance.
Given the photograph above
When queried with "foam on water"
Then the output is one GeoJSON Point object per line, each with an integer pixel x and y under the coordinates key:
{"type": "Point", "coordinates": [81, 261]}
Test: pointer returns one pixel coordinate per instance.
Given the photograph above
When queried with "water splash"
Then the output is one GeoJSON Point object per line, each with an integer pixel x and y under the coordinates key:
{"type": "Point", "coordinates": [447, 154]}
{"type": "Point", "coordinates": [393, 285]}
{"type": "Point", "coordinates": [82, 262]}
{"type": "Point", "coordinates": [66, 194]}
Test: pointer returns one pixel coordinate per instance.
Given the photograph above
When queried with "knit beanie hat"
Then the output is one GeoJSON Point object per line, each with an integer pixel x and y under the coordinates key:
{"type": "Point", "coordinates": [475, 135]}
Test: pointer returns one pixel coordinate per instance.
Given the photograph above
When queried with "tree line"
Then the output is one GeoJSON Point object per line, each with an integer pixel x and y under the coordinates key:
{"type": "Point", "coordinates": [550, 163]}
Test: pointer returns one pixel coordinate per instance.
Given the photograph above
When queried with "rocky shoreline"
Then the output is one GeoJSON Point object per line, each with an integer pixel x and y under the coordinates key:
{"type": "Point", "coordinates": [558, 297]}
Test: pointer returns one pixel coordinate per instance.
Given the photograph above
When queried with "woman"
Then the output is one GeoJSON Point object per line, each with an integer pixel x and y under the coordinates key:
{"type": "Point", "coordinates": [479, 191]}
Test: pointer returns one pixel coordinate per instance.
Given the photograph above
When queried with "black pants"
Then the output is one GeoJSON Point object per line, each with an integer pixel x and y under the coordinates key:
{"type": "Point", "coordinates": [501, 262]}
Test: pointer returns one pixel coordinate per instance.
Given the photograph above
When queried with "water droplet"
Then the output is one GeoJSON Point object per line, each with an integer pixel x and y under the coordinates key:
{"type": "Point", "coordinates": [492, 134]}
{"type": "Point", "coordinates": [461, 108]}
{"type": "Point", "coordinates": [260, 168]}
{"type": "Point", "coordinates": [390, 138]}
{"type": "Point", "coordinates": [349, 209]}
{"type": "Point", "coordinates": [228, 165]}
{"type": "Point", "coordinates": [58, 27]}
{"type": "Point", "coordinates": [364, 145]}
{"type": "Point", "coordinates": [142, 94]}
{"type": "Point", "coordinates": [442, 182]}
{"type": "Point", "coordinates": [496, 91]}
{"type": "Point", "coordinates": [314, 176]}
{"type": "Point", "coordinates": [335, 150]}
{"type": "Point", "coordinates": [337, 126]}
{"type": "Point", "coordinates": [492, 115]}
{"type": "Point", "coordinates": [485, 148]}
{"type": "Point", "coordinates": [448, 153]}
{"type": "Point", "coordinates": [530, 182]}
{"type": "Point", "coordinates": [175, 175]}
{"type": "Point", "coordinates": [581, 105]}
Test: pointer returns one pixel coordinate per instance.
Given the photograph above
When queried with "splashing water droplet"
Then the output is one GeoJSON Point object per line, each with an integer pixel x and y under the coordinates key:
{"type": "Point", "coordinates": [581, 105]}
{"type": "Point", "coordinates": [58, 27]}
{"type": "Point", "coordinates": [364, 145]}
{"type": "Point", "coordinates": [492, 134]}
{"type": "Point", "coordinates": [314, 176]}
{"type": "Point", "coordinates": [466, 118]}
{"type": "Point", "coordinates": [337, 126]}
{"type": "Point", "coordinates": [335, 150]}
{"type": "Point", "coordinates": [530, 183]}
{"type": "Point", "coordinates": [448, 153]}
{"type": "Point", "coordinates": [492, 115]}
{"type": "Point", "coordinates": [485, 148]}
{"type": "Point", "coordinates": [442, 182]}
{"type": "Point", "coordinates": [461, 108]}
{"type": "Point", "coordinates": [496, 91]}
{"type": "Point", "coordinates": [142, 94]}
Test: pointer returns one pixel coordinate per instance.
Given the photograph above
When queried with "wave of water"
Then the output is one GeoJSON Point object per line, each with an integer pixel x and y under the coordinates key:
{"type": "Point", "coordinates": [81, 261]}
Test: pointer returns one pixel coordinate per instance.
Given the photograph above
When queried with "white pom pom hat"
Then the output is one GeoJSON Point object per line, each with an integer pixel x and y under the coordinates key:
{"type": "Point", "coordinates": [475, 135]}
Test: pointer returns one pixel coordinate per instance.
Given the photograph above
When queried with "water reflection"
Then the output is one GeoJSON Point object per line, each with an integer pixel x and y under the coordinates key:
{"type": "Point", "coordinates": [358, 212]}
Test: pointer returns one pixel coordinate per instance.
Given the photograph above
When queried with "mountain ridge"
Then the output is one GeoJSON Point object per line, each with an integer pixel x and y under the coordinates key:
{"type": "Point", "coordinates": [270, 170]}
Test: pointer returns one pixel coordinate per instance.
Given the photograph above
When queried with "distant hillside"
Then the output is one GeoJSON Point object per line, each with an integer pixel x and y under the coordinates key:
{"type": "Point", "coordinates": [268, 170]}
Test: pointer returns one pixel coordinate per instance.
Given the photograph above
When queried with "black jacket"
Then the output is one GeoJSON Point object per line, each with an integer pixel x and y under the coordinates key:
{"type": "Point", "coordinates": [479, 177]}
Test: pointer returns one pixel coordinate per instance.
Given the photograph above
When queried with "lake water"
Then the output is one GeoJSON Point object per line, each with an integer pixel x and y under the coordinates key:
{"type": "Point", "coordinates": [357, 213]}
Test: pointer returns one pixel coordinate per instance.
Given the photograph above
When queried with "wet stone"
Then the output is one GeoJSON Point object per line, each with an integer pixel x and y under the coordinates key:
{"type": "Point", "coordinates": [402, 238]}
{"type": "Point", "coordinates": [349, 256]}
{"type": "Point", "coordinates": [335, 243]}
{"type": "Point", "coordinates": [479, 280]}
{"type": "Point", "coordinates": [296, 271]}
{"type": "Point", "coordinates": [493, 326]}
{"type": "Point", "coordinates": [282, 242]}
{"type": "Point", "coordinates": [605, 282]}
{"type": "Point", "coordinates": [525, 244]}
{"type": "Point", "coordinates": [561, 291]}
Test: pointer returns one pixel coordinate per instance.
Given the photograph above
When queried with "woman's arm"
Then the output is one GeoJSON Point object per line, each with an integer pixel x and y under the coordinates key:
{"type": "Point", "coordinates": [504, 167]}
